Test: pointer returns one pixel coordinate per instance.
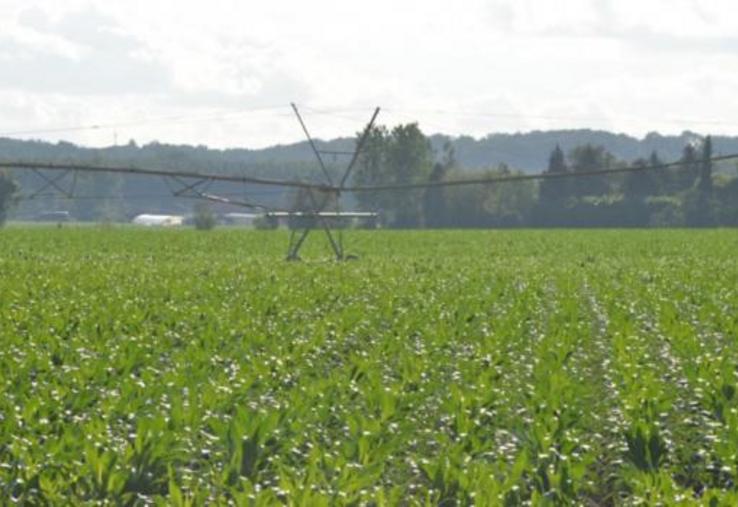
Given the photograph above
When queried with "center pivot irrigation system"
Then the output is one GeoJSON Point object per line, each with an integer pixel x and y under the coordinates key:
{"type": "Point", "coordinates": [56, 177]}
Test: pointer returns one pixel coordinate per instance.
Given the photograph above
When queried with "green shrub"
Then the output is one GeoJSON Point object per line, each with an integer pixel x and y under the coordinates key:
{"type": "Point", "coordinates": [204, 218]}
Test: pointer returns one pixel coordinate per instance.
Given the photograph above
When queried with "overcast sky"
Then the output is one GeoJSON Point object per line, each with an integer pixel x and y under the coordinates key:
{"type": "Point", "coordinates": [222, 73]}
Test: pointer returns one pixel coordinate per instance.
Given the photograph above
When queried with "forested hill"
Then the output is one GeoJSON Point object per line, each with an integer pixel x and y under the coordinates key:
{"type": "Point", "coordinates": [524, 151]}
{"type": "Point", "coordinates": [529, 151]}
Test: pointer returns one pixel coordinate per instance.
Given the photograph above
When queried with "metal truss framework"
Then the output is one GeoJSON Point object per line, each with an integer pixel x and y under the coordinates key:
{"type": "Point", "coordinates": [195, 185]}
{"type": "Point", "coordinates": [319, 199]}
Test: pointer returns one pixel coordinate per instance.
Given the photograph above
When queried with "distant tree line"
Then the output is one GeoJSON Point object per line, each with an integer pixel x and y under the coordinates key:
{"type": "Point", "coordinates": [696, 194]}
{"type": "Point", "coordinates": [688, 195]}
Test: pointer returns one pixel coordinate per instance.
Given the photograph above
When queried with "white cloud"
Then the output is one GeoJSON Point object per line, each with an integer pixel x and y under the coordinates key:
{"type": "Point", "coordinates": [494, 65]}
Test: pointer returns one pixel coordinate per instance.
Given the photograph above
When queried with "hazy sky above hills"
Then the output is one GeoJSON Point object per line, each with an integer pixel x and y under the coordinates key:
{"type": "Point", "coordinates": [222, 73]}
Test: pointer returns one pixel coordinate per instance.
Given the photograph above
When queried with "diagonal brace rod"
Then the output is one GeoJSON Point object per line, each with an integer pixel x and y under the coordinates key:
{"type": "Point", "coordinates": [312, 145]}
{"type": "Point", "coordinates": [51, 182]}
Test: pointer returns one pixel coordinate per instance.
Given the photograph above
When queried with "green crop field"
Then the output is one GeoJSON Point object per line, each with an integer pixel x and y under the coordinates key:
{"type": "Point", "coordinates": [441, 368]}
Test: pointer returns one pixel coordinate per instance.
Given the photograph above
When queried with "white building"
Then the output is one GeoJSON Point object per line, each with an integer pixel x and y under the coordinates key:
{"type": "Point", "coordinates": [158, 220]}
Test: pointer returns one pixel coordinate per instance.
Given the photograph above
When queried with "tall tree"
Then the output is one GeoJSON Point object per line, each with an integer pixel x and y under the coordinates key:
{"type": "Point", "coordinates": [371, 168]}
{"type": "Point", "coordinates": [701, 212]}
{"type": "Point", "coordinates": [434, 198]}
{"type": "Point", "coordinates": [689, 170]}
{"type": "Point", "coordinates": [8, 188]}
{"type": "Point", "coordinates": [409, 160]}
{"type": "Point", "coordinates": [588, 158]}
{"type": "Point", "coordinates": [555, 191]}
{"type": "Point", "coordinates": [705, 181]}
{"type": "Point", "coordinates": [403, 155]}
